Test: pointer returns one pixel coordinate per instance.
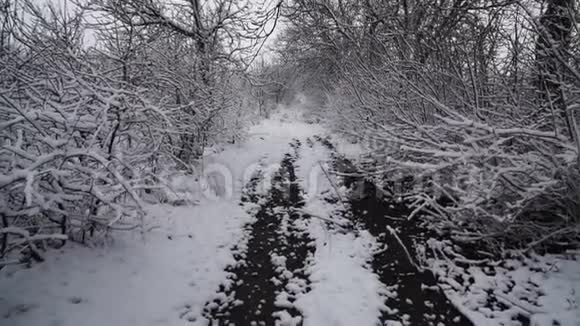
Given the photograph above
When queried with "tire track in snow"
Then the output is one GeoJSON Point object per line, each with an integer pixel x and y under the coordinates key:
{"type": "Point", "coordinates": [412, 297]}
{"type": "Point", "coordinates": [344, 291]}
{"type": "Point", "coordinates": [269, 272]}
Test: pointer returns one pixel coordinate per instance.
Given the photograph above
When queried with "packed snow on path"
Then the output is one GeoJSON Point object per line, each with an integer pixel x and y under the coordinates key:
{"type": "Point", "coordinates": [161, 277]}
{"type": "Point", "coordinates": [344, 289]}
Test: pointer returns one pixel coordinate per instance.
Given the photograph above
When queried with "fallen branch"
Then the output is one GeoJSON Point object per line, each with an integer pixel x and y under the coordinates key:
{"type": "Point", "coordinates": [4, 263]}
{"type": "Point", "coordinates": [394, 234]}
{"type": "Point", "coordinates": [326, 219]}
{"type": "Point", "coordinates": [525, 306]}
{"type": "Point", "coordinates": [333, 186]}
{"type": "Point", "coordinates": [551, 235]}
{"type": "Point", "coordinates": [27, 239]}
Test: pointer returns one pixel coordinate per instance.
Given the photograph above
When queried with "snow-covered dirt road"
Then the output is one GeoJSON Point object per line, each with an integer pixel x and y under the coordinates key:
{"type": "Point", "coordinates": [275, 239]}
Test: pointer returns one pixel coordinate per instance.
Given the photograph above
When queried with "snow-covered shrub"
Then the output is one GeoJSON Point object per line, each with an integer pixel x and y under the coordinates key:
{"type": "Point", "coordinates": [88, 134]}
{"type": "Point", "coordinates": [77, 146]}
{"type": "Point", "coordinates": [505, 172]}
{"type": "Point", "coordinates": [477, 103]}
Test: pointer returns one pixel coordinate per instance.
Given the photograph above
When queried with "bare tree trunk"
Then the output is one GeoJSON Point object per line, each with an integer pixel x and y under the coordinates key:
{"type": "Point", "coordinates": [553, 43]}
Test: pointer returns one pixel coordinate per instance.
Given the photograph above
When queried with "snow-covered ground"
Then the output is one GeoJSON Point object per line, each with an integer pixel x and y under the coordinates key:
{"type": "Point", "coordinates": [167, 274]}
{"type": "Point", "coordinates": [150, 280]}
{"type": "Point", "coordinates": [164, 276]}
{"type": "Point", "coordinates": [543, 289]}
{"type": "Point", "coordinates": [344, 289]}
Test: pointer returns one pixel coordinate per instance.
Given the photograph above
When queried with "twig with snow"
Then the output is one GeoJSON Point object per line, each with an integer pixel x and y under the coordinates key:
{"type": "Point", "coordinates": [411, 260]}
{"type": "Point", "coordinates": [326, 219]}
{"type": "Point", "coordinates": [333, 186]}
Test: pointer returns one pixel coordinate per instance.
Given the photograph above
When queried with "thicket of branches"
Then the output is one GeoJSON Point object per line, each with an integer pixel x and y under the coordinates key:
{"type": "Point", "coordinates": [477, 99]}
{"type": "Point", "coordinates": [89, 129]}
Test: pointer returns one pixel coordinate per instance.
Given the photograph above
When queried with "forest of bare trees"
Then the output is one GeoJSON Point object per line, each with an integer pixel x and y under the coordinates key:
{"type": "Point", "coordinates": [477, 100]}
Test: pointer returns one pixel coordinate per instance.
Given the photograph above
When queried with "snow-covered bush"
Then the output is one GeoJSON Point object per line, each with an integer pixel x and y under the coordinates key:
{"type": "Point", "coordinates": [477, 102]}
{"type": "Point", "coordinates": [90, 133]}
{"type": "Point", "coordinates": [505, 171]}
{"type": "Point", "coordinates": [77, 145]}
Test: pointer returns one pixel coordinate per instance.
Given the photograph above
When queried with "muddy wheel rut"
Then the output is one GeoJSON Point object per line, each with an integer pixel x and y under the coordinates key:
{"type": "Point", "coordinates": [271, 268]}
{"type": "Point", "coordinates": [414, 297]}
{"type": "Point", "coordinates": [270, 272]}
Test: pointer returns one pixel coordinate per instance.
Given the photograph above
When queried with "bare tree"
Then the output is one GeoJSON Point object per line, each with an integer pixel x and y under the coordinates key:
{"type": "Point", "coordinates": [555, 28]}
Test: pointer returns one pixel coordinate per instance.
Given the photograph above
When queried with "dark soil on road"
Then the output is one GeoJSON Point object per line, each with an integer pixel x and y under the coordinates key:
{"type": "Point", "coordinates": [415, 296]}
{"type": "Point", "coordinates": [249, 296]}
{"type": "Point", "coordinates": [255, 279]}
